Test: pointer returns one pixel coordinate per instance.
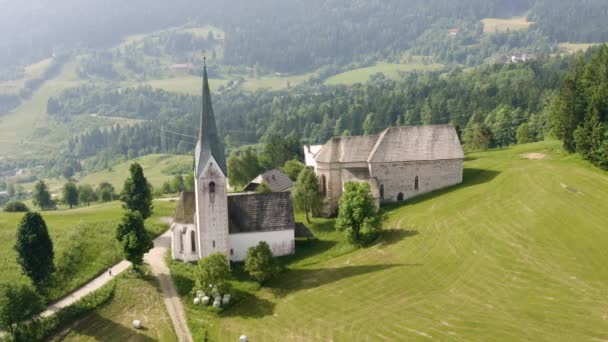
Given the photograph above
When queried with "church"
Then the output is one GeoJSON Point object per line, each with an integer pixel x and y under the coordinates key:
{"type": "Point", "coordinates": [210, 220]}
{"type": "Point", "coordinates": [398, 163]}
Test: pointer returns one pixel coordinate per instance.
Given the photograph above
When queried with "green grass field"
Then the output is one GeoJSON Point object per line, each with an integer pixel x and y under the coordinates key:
{"type": "Point", "coordinates": [83, 239]}
{"type": "Point", "coordinates": [390, 70]}
{"type": "Point", "coordinates": [494, 25]}
{"type": "Point", "coordinates": [517, 252]}
{"type": "Point", "coordinates": [134, 298]}
{"type": "Point", "coordinates": [576, 47]}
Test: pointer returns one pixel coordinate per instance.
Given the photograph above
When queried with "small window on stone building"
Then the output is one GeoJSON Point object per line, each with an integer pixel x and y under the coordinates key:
{"type": "Point", "coordinates": [213, 243]}
{"type": "Point", "coordinates": [400, 197]}
{"type": "Point", "coordinates": [231, 251]}
{"type": "Point", "coordinates": [193, 241]}
{"type": "Point", "coordinates": [324, 185]}
{"type": "Point", "coordinates": [181, 242]}
{"type": "Point", "coordinates": [416, 183]}
{"type": "Point", "coordinates": [211, 188]}
{"type": "Point", "coordinates": [381, 191]}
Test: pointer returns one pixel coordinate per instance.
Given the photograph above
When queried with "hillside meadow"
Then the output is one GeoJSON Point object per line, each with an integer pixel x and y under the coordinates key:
{"type": "Point", "coordinates": [517, 252]}
{"type": "Point", "coordinates": [390, 70]}
{"type": "Point", "coordinates": [84, 242]}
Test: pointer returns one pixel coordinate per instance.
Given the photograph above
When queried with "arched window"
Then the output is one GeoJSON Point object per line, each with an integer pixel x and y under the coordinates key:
{"type": "Point", "coordinates": [213, 243]}
{"type": "Point", "coordinates": [181, 242]}
{"type": "Point", "coordinates": [416, 183]}
{"type": "Point", "coordinates": [400, 197]}
{"type": "Point", "coordinates": [382, 191]}
{"type": "Point", "coordinates": [212, 188]}
{"type": "Point", "coordinates": [193, 240]}
{"type": "Point", "coordinates": [324, 185]}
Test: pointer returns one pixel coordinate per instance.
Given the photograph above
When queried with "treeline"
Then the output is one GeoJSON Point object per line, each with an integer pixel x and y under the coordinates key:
{"type": "Point", "coordinates": [571, 21]}
{"type": "Point", "coordinates": [580, 109]}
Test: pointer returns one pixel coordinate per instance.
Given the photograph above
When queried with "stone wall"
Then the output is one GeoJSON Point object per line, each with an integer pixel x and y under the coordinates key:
{"type": "Point", "coordinates": [400, 177]}
{"type": "Point", "coordinates": [181, 242]}
{"type": "Point", "coordinates": [281, 242]}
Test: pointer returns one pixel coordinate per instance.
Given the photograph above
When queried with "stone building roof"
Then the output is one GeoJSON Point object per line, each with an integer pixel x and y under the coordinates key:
{"type": "Point", "coordinates": [208, 141]}
{"type": "Point", "coordinates": [276, 179]}
{"type": "Point", "coordinates": [347, 149]}
{"type": "Point", "coordinates": [248, 213]}
{"type": "Point", "coordinates": [438, 142]}
{"type": "Point", "coordinates": [395, 144]}
{"type": "Point", "coordinates": [186, 208]}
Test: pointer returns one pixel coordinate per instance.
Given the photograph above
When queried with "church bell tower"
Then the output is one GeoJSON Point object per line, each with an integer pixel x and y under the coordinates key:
{"type": "Point", "coordinates": [210, 183]}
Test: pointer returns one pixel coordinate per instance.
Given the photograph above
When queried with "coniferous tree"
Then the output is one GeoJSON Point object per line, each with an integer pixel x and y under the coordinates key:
{"type": "Point", "coordinates": [133, 238]}
{"type": "Point", "coordinates": [70, 194]}
{"type": "Point", "coordinates": [137, 192]}
{"type": "Point", "coordinates": [306, 194]}
{"type": "Point", "coordinates": [34, 248]}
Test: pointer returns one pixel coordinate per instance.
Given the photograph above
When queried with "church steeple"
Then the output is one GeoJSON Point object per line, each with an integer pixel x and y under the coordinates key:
{"type": "Point", "coordinates": [208, 141]}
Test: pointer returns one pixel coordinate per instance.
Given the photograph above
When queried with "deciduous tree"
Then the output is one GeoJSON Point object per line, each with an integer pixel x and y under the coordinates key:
{"type": "Point", "coordinates": [70, 194]}
{"type": "Point", "coordinates": [86, 194]}
{"type": "Point", "coordinates": [41, 196]}
{"type": "Point", "coordinates": [306, 194]}
{"type": "Point", "coordinates": [358, 216]}
{"type": "Point", "coordinates": [137, 192]}
{"type": "Point", "coordinates": [19, 304]}
{"type": "Point", "coordinates": [213, 272]}
{"type": "Point", "coordinates": [34, 248]}
{"type": "Point", "coordinates": [259, 263]}
{"type": "Point", "coordinates": [133, 238]}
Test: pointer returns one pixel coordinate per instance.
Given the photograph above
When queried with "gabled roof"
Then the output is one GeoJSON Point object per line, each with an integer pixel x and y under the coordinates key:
{"type": "Point", "coordinates": [276, 179]}
{"type": "Point", "coordinates": [186, 208]}
{"type": "Point", "coordinates": [347, 149]}
{"type": "Point", "coordinates": [248, 213]}
{"type": "Point", "coordinates": [412, 143]}
{"type": "Point", "coordinates": [208, 140]}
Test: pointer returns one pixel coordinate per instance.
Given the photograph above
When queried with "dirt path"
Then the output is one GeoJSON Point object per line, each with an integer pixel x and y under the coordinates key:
{"type": "Point", "coordinates": [156, 259]}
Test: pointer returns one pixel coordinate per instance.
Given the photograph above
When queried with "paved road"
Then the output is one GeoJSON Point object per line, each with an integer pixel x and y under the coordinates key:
{"type": "Point", "coordinates": [156, 259]}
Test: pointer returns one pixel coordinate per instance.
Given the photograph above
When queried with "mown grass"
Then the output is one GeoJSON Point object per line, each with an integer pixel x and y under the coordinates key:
{"type": "Point", "coordinates": [516, 252]}
{"type": "Point", "coordinates": [494, 25]}
{"type": "Point", "coordinates": [84, 243]}
{"type": "Point", "coordinates": [576, 47]}
{"type": "Point", "coordinates": [390, 70]}
{"type": "Point", "coordinates": [133, 298]}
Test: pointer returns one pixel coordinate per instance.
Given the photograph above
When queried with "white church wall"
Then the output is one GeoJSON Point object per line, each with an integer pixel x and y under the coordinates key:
{"type": "Point", "coordinates": [181, 242]}
{"type": "Point", "coordinates": [281, 242]}
{"type": "Point", "coordinates": [399, 178]}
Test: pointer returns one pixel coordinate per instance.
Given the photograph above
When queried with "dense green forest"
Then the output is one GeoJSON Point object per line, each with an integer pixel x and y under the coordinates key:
{"type": "Point", "coordinates": [294, 36]}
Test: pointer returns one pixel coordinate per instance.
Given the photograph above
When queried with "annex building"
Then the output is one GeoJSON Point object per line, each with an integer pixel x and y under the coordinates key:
{"type": "Point", "coordinates": [398, 163]}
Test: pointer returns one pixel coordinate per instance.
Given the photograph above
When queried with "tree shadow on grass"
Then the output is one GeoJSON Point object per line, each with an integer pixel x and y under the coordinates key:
{"type": "Point", "coordinates": [100, 328]}
{"type": "Point", "coordinates": [306, 249]}
{"type": "Point", "coordinates": [303, 279]}
{"type": "Point", "coordinates": [248, 305]}
{"type": "Point", "coordinates": [471, 177]}
{"type": "Point", "coordinates": [394, 235]}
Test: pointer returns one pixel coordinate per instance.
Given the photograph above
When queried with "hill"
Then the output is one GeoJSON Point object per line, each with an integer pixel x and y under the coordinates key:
{"type": "Point", "coordinates": [516, 252]}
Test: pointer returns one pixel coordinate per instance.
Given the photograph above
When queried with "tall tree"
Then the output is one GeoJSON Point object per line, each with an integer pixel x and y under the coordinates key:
{"type": "Point", "coordinates": [137, 192]}
{"type": "Point", "coordinates": [41, 196]}
{"type": "Point", "coordinates": [133, 238]}
{"type": "Point", "coordinates": [19, 304]}
{"type": "Point", "coordinates": [34, 249]}
{"type": "Point", "coordinates": [70, 194]}
{"type": "Point", "coordinates": [86, 194]}
{"type": "Point", "coordinates": [358, 216]}
{"type": "Point", "coordinates": [569, 107]}
{"type": "Point", "coordinates": [306, 194]}
{"type": "Point", "coordinates": [105, 192]}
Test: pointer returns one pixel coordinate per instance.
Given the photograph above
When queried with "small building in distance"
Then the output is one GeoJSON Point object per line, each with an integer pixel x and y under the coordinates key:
{"type": "Point", "coordinates": [277, 180]}
{"type": "Point", "coordinates": [398, 163]}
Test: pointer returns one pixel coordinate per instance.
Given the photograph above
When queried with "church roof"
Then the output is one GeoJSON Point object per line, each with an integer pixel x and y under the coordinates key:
{"type": "Point", "coordinates": [347, 149]}
{"type": "Point", "coordinates": [248, 213]}
{"type": "Point", "coordinates": [276, 179]}
{"type": "Point", "coordinates": [208, 140]}
{"type": "Point", "coordinates": [186, 208]}
{"type": "Point", "coordinates": [395, 144]}
{"type": "Point", "coordinates": [413, 143]}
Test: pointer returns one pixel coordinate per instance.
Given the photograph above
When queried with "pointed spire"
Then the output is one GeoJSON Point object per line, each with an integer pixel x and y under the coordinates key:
{"type": "Point", "coordinates": [208, 139]}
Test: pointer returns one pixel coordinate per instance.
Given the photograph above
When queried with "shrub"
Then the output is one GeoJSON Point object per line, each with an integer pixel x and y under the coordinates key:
{"type": "Point", "coordinates": [259, 263]}
{"type": "Point", "coordinates": [16, 207]}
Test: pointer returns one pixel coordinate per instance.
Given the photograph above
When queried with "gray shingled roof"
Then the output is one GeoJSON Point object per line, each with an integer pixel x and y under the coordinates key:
{"type": "Point", "coordinates": [260, 212]}
{"type": "Point", "coordinates": [276, 179]}
{"type": "Point", "coordinates": [184, 213]}
{"type": "Point", "coordinates": [437, 142]}
{"type": "Point", "coordinates": [347, 149]}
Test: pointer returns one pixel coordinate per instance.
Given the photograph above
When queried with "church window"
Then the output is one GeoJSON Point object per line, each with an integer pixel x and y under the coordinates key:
{"type": "Point", "coordinates": [382, 191]}
{"type": "Point", "coordinates": [400, 197]}
{"type": "Point", "coordinates": [324, 185]}
{"type": "Point", "coordinates": [416, 183]}
{"type": "Point", "coordinates": [213, 243]}
{"type": "Point", "coordinates": [181, 242]}
{"type": "Point", "coordinates": [193, 241]}
{"type": "Point", "coordinates": [231, 251]}
{"type": "Point", "coordinates": [212, 188]}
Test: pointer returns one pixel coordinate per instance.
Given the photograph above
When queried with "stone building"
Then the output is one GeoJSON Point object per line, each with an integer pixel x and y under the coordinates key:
{"type": "Point", "coordinates": [399, 163]}
{"type": "Point", "coordinates": [210, 220]}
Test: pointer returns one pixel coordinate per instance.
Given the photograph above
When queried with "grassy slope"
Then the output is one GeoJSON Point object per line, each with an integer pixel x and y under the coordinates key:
{"type": "Point", "coordinates": [390, 70]}
{"type": "Point", "coordinates": [516, 252]}
{"type": "Point", "coordinates": [83, 239]}
{"type": "Point", "coordinates": [493, 25]}
{"type": "Point", "coordinates": [133, 298]}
